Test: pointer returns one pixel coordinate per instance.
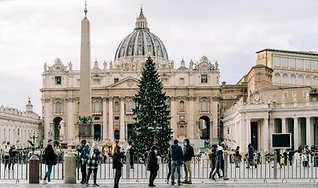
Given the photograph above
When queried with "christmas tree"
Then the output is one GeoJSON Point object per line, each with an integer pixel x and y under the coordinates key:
{"type": "Point", "coordinates": [151, 113]}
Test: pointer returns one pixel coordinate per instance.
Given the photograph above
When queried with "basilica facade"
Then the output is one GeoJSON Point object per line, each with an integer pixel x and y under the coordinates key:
{"type": "Point", "coordinates": [192, 91]}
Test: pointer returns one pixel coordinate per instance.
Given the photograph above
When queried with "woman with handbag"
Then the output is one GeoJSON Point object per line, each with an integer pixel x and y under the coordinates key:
{"type": "Point", "coordinates": [117, 154]}
{"type": "Point", "coordinates": [152, 165]}
{"type": "Point", "coordinates": [92, 161]}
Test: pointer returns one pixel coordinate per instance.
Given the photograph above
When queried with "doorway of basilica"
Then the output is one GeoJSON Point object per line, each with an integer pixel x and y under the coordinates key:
{"type": "Point", "coordinates": [56, 127]}
{"type": "Point", "coordinates": [254, 135]}
{"type": "Point", "coordinates": [204, 127]}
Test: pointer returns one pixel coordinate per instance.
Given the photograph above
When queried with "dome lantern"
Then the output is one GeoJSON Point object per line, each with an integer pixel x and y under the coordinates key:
{"type": "Point", "coordinates": [141, 21]}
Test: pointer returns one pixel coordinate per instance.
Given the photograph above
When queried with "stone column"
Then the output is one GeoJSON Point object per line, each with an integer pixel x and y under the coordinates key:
{"type": "Point", "coordinates": [47, 119]}
{"type": "Point", "coordinates": [248, 132]}
{"type": "Point", "coordinates": [122, 119]}
{"type": "Point", "coordinates": [284, 129]}
{"type": "Point", "coordinates": [265, 135]}
{"type": "Point", "coordinates": [70, 168]}
{"type": "Point", "coordinates": [190, 126]}
{"type": "Point", "coordinates": [34, 169]}
{"type": "Point", "coordinates": [105, 135]}
{"type": "Point", "coordinates": [70, 122]}
{"type": "Point", "coordinates": [173, 118]}
{"type": "Point", "coordinates": [309, 139]}
{"type": "Point", "coordinates": [111, 122]}
{"type": "Point", "coordinates": [296, 133]}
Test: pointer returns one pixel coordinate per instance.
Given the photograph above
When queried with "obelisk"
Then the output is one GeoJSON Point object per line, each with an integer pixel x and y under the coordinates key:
{"type": "Point", "coordinates": [85, 74]}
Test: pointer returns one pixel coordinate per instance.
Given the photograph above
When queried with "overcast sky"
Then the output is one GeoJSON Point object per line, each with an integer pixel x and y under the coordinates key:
{"type": "Point", "coordinates": [33, 32]}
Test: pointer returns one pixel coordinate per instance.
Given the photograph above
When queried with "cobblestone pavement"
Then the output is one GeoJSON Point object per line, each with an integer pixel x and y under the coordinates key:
{"type": "Point", "coordinates": [227, 184]}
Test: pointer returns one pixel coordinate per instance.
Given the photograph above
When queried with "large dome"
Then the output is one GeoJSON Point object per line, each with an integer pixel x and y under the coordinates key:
{"type": "Point", "coordinates": [141, 42]}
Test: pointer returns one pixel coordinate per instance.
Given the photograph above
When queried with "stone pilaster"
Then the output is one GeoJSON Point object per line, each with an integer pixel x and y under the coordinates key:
{"type": "Point", "coordinates": [122, 119]}
{"type": "Point", "coordinates": [105, 132]}
{"type": "Point", "coordinates": [111, 121]}
{"type": "Point", "coordinates": [174, 117]}
{"type": "Point", "coordinates": [47, 118]}
{"type": "Point", "coordinates": [191, 123]}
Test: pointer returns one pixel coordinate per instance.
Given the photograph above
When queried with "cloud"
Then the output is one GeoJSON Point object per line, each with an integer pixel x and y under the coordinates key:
{"type": "Point", "coordinates": [36, 31]}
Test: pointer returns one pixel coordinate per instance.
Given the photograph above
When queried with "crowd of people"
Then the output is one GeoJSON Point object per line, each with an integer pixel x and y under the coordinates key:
{"type": "Point", "coordinates": [283, 158]}
{"type": "Point", "coordinates": [90, 156]}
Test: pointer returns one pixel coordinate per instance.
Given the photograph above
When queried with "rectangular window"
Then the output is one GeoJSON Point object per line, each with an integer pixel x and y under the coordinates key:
{"type": "Point", "coordinates": [294, 94]}
{"type": "Point", "coordinates": [96, 118]}
{"type": "Point", "coordinates": [305, 93]}
{"type": "Point", "coordinates": [181, 81]}
{"type": "Point", "coordinates": [314, 65]}
{"type": "Point", "coordinates": [275, 95]}
{"type": "Point", "coordinates": [204, 78]}
{"type": "Point", "coordinates": [58, 80]}
{"type": "Point", "coordinates": [96, 81]}
{"type": "Point", "coordinates": [116, 80]}
{"type": "Point", "coordinates": [292, 63]}
{"type": "Point", "coordinates": [116, 117]}
{"type": "Point", "coordinates": [300, 64]}
{"type": "Point", "coordinates": [307, 64]}
{"type": "Point", "coordinates": [285, 62]}
{"type": "Point", "coordinates": [286, 94]}
{"type": "Point", "coordinates": [276, 61]}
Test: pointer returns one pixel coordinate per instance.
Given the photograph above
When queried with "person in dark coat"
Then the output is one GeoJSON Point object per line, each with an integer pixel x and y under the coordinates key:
{"type": "Point", "coordinates": [169, 165]}
{"type": "Point", "coordinates": [237, 157]}
{"type": "Point", "coordinates": [153, 165]}
{"type": "Point", "coordinates": [131, 156]}
{"type": "Point", "coordinates": [218, 163]}
{"type": "Point", "coordinates": [12, 153]}
{"type": "Point", "coordinates": [118, 155]}
{"type": "Point", "coordinates": [213, 159]}
{"type": "Point", "coordinates": [92, 160]}
{"type": "Point", "coordinates": [50, 159]}
{"type": "Point", "coordinates": [84, 152]}
{"type": "Point", "coordinates": [250, 156]}
{"type": "Point", "coordinates": [290, 157]}
{"type": "Point", "coordinates": [188, 153]}
{"type": "Point", "coordinates": [176, 160]}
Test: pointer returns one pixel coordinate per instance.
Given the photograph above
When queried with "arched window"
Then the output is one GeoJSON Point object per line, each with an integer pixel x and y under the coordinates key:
{"type": "Point", "coordinates": [97, 107]}
{"type": "Point", "coordinates": [181, 106]}
{"type": "Point", "coordinates": [308, 81]}
{"type": "Point", "coordinates": [285, 78]}
{"type": "Point", "coordinates": [58, 107]}
{"type": "Point", "coordinates": [204, 106]}
{"type": "Point", "coordinates": [277, 78]}
{"type": "Point", "coordinates": [293, 79]}
{"type": "Point", "coordinates": [116, 107]}
{"type": "Point", "coordinates": [129, 106]}
{"type": "Point", "coordinates": [300, 80]}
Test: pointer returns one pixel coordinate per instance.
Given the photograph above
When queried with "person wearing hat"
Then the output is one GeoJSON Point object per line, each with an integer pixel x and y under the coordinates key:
{"type": "Point", "coordinates": [50, 159]}
{"type": "Point", "coordinates": [84, 151]}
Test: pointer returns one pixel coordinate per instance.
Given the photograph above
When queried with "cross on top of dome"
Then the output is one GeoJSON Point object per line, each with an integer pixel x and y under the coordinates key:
{"type": "Point", "coordinates": [141, 21]}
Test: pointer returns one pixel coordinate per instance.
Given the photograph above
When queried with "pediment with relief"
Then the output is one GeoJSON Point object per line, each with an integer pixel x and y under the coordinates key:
{"type": "Point", "coordinates": [125, 83]}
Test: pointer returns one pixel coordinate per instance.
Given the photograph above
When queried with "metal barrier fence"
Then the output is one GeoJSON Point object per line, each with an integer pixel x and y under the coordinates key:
{"type": "Point", "coordinates": [202, 167]}
{"type": "Point", "coordinates": [17, 168]}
